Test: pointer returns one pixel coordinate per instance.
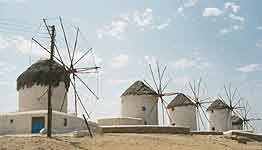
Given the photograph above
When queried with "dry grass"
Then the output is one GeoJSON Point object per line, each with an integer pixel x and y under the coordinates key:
{"type": "Point", "coordinates": [127, 142]}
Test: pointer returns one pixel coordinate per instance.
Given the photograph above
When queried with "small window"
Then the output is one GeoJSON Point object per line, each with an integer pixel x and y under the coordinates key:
{"type": "Point", "coordinates": [65, 122]}
{"type": "Point", "coordinates": [143, 108]}
{"type": "Point", "coordinates": [213, 128]}
{"type": "Point", "coordinates": [11, 121]}
{"type": "Point", "coordinates": [172, 108]}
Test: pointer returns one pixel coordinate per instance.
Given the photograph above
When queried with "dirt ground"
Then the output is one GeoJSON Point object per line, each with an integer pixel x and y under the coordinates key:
{"type": "Point", "coordinates": [127, 142]}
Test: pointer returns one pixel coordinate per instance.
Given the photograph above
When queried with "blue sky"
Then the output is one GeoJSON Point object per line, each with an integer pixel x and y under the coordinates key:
{"type": "Point", "coordinates": [219, 40]}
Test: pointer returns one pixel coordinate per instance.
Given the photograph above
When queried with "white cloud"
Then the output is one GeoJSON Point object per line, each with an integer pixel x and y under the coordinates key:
{"type": "Point", "coordinates": [250, 68]}
{"type": "Point", "coordinates": [163, 25]}
{"type": "Point", "coordinates": [232, 6]}
{"type": "Point", "coordinates": [116, 29]}
{"type": "Point", "coordinates": [259, 28]}
{"type": "Point", "coordinates": [180, 9]}
{"type": "Point", "coordinates": [259, 44]}
{"type": "Point", "coordinates": [224, 31]}
{"type": "Point", "coordinates": [211, 12]}
{"type": "Point", "coordinates": [183, 63]}
{"type": "Point", "coordinates": [150, 59]}
{"type": "Point", "coordinates": [237, 27]}
{"type": "Point", "coordinates": [117, 81]}
{"type": "Point", "coordinates": [6, 68]}
{"type": "Point", "coordinates": [119, 61]}
{"type": "Point", "coordinates": [17, 1]}
{"type": "Point", "coordinates": [3, 43]}
{"type": "Point", "coordinates": [22, 44]}
{"type": "Point", "coordinates": [181, 81]}
{"type": "Point", "coordinates": [237, 18]}
{"type": "Point", "coordinates": [190, 3]}
{"type": "Point", "coordinates": [143, 18]}
{"type": "Point", "coordinates": [186, 4]}
{"type": "Point", "coordinates": [98, 60]}
{"type": "Point", "coordinates": [120, 25]}
{"type": "Point", "coordinates": [186, 63]}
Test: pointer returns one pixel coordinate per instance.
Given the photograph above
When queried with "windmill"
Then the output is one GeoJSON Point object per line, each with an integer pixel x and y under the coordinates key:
{"type": "Point", "coordinates": [244, 114]}
{"type": "Point", "coordinates": [231, 98]}
{"type": "Point", "coordinates": [221, 110]}
{"type": "Point", "coordinates": [199, 98]}
{"type": "Point", "coordinates": [73, 65]}
{"type": "Point", "coordinates": [159, 87]}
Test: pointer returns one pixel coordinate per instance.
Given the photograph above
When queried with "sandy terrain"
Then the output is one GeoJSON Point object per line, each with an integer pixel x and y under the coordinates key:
{"type": "Point", "coordinates": [127, 142]}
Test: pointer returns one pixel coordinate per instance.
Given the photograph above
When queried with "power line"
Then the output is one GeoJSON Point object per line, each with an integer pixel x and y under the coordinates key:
{"type": "Point", "coordinates": [17, 22]}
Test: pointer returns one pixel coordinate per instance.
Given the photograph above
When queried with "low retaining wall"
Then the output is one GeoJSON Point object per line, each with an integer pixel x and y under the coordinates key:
{"type": "Point", "coordinates": [253, 136]}
{"type": "Point", "coordinates": [205, 133]}
{"type": "Point", "coordinates": [120, 121]}
{"type": "Point", "coordinates": [145, 129]}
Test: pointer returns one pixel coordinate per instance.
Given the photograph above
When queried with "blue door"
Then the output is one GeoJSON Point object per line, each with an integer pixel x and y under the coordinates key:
{"type": "Point", "coordinates": [38, 123]}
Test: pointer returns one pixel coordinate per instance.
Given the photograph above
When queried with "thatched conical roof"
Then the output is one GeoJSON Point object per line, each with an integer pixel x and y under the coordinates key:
{"type": "Point", "coordinates": [39, 74]}
{"type": "Point", "coordinates": [218, 104]}
{"type": "Point", "coordinates": [139, 88]}
{"type": "Point", "coordinates": [180, 100]}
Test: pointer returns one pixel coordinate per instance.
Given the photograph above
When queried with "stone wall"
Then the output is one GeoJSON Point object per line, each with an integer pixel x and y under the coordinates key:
{"type": "Point", "coordinates": [146, 129]}
{"type": "Point", "coordinates": [120, 121]}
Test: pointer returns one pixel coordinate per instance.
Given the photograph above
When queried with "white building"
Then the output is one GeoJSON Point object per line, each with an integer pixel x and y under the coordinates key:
{"type": "Point", "coordinates": [32, 86]}
{"type": "Point", "coordinates": [219, 115]}
{"type": "Point", "coordinates": [182, 112]}
{"type": "Point", "coordinates": [237, 123]}
{"type": "Point", "coordinates": [140, 101]}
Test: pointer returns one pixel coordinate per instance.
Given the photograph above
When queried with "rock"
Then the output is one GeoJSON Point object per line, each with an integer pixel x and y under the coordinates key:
{"type": "Point", "coordinates": [95, 128]}
{"type": "Point", "coordinates": [80, 133]}
{"type": "Point", "coordinates": [43, 131]}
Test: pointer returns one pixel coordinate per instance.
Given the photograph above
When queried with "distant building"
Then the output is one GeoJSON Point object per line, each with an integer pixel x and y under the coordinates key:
{"type": "Point", "coordinates": [140, 101]}
{"type": "Point", "coordinates": [219, 115]}
{"type": "Point", "coordinates": [32, 86]}
{"type": "Point", "coordinates": [182, 112]}
{"type": "Point", "coordinates": [237, 123]}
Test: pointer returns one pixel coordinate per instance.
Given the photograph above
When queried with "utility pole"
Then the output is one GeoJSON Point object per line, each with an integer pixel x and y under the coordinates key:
{"type": "Point", "coordinates": [49, 114]}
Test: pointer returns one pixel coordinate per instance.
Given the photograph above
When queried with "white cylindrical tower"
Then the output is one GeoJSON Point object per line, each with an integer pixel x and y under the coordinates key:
{"type": "Point", "coordinates": [32, 86]}
{"type": "Point", "coordinates": [182, 112]}
{"type": "Point", "coordinates": [139, 101]}
{"type": "Point", "coordinates": [219, 114]}
{"type": "Point", "coordinates": [237, 123]}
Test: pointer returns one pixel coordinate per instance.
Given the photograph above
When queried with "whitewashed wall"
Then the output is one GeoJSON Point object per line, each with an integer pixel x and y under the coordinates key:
{"type": "Point", "coordinates": [22, 122]}
{"type": "Point", "coordinates": [29, 98]}
{"type": "Point", "coordinates": [120, 121]}
{"type": "Point", "coordinates": [237, 127]}
{"type": "Point", "coordinates": [131, 106]}
{"type": "Point", "coordinates": [183, 116]}
{"type": "Point", "coordinates": [220, 119]}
